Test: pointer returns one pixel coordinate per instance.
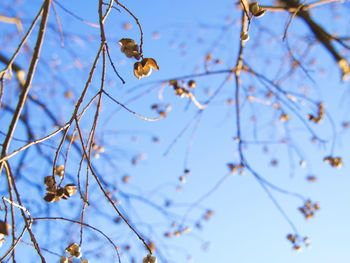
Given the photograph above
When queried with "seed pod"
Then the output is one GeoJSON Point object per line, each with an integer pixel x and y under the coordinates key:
{"type": "Point", "coordinates": [129, 48]}
{"type": "Point", "coordinates": [59, 170]}
{"type": "Point", "coordinates": [64, 260]}
{"type": "Point", "coordinates": [244, 36]}
{"type": "Point", "coordinates": [60, 193]}
{"type": "Point", "coordinates": [4, 228]}
{"type": "Point", "coordinates": [70, 189]}
{"type": "Point", "coordinates": [256, 10]}
{"type": "Point", "coordinates": [291, 237]}
{"type": "Point", "coordinates": [49, 197]}
{"type": "Point", "coordinates": [149, 259]}
{"type": "Point", "coordinates": [260, 13]}
{"type": "Point", "coordinates": [179, 91]}
{"type": "Point", "coordinates": [74, 250]}
{"type": "Point", "coordinates": [254, 7]}
{"type": "Point", "coordinates": [49, 181]}
{"type": "Point", "coordinates": [191, 84]}
{"type": "Point", "coordinates": [144, 68]}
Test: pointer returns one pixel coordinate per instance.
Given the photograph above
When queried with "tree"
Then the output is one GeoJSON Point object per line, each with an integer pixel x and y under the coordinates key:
{"type": "Point", "coordinates": [74, 86]}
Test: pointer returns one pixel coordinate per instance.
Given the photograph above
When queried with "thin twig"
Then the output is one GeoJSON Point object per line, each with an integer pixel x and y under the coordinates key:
{"type": "Point", "coordinates": [58, 24]}
{"type": "Point", "coordinates": [30, 75]}
{"type": "Point", "coordinates": [82, 224]}
{"type": "Point", "coordinates": [105, 193]}
{"type": "Point", "coordinates": [74, 15]}
{"type": "Point", "coordinates": [132, 112]}
{"type": "Point", "coordinates": [137, 22]}
{"type": "Point", "coordinates": [24, 40]}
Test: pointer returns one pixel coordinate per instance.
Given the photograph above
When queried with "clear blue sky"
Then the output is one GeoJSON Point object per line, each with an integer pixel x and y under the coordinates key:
{"type": "Point", "coordinates": [246, 226]}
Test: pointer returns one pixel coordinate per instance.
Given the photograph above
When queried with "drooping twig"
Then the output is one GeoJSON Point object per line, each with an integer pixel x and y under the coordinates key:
{"type": "Point", "coordinates": [74, 15]}
{"type": "Point", "coordinates": [137, 22]}
{"type": "Point", "coordinates": [29, 78]}
{"type": "Point", "coordinates": [106, 194]}
{"type": "Point", "coordinates": [132, 112]}
{"type": "Point", "coordinates": [82, 224]}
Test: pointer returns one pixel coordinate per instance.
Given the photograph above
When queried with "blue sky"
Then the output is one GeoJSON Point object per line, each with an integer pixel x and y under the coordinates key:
{"type": "Point", "coordinates": [246, 226]}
